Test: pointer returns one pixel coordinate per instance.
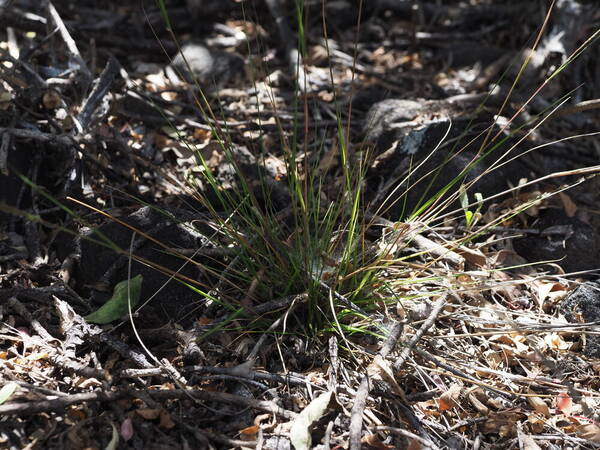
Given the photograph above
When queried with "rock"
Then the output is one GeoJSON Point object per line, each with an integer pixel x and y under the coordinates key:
{"type": "Point", "coordinates": [469, 53]}
{"type": "Point", "coordinates": [404, 142]}
{"type": "Point", "coordinates": [567, 239]}
{"type": "Point", "coordinates": [385, 117]}
{"type": "Point", "coordinates": [583, 305]}
{"type": "Point", "coordinates": [213, 69]}
{"type": "Point", "coordinates": [101, 267]}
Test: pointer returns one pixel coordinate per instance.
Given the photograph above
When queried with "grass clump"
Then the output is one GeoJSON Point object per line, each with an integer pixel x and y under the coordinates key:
{"type": "Point", "coordinates": [311, 235]}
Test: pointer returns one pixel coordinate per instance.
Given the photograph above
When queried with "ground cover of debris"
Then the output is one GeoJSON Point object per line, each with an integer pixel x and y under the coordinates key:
{"type": "Point", "coordinates": [130, 316]}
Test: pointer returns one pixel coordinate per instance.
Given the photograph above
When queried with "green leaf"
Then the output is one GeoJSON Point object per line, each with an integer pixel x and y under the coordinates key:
{"type": "Point", "coordinates": [117, 306]}
{"type": "Point", "coordinates": [468, 217]}
{"type": "Point", "coordinates": [7, 390]}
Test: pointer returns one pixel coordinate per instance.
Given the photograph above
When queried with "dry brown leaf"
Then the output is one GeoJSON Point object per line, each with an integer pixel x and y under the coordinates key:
{"type": "Point", "coordinates": [249, 433]}
{"type": "Point", "coordinates": [165, 420]}
{"type": "Point", "coordinates": [502, 422]}
{"type": "Point", "coordinates": [539, 405]}
{"type": "Point", "coordinates": [148, 413]}
{"type": "Point", "coordinates": [475, 257]}
{"type": "Point", "coordinates": [568, 205]}
{"type": "Point", "coordinates": [536, 423]}
{"type": "Point", "coordinates": [449, 399]}
{"type": "Point", "coordinates": [590, 431]}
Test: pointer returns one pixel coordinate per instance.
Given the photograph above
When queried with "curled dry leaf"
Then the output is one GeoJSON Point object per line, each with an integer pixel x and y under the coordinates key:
{"type": "Point", "coordinates": [556, 342]}
{"type": "Point", "coordinates": [590, 431]}
{"type": "Point", "coordinates": [449, 399]}
{"type": "Point", "coordinates": [249, 433]}
{"type": "Point", "coordinates": [300, 434]}
{"type": "Point", "coordinates": [539, 405]}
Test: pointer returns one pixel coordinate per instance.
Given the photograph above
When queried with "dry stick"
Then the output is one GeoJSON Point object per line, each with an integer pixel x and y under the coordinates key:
{"type": "Point", "coordinates": [573, 109]}
{"type": "Point", "coordinates": [287, 379]}
{"type": "Point", "coordinates": [124, 350]}
{"type": "Point", "coordinates": [4, 145]}
{"type": "Point", "coordinates": [428, 356]}
{"type": "Point", "coordinates": [360, 400]}
{"type": "Point", "coordinates": [407, 434]}
{"type": "Point", "coordinates": [105, 81]}
{"type": "Point", "coordinates": [437, 308]}
{"type": "Point", "coordinates": [70, 43]}
{"type": "Point", "coordinates": [61, 360]}
{"type": "Point", "coordinates": [38, 136]}
{"type": "Point", "coordinates": [413, 236]}
{"type": "Point", "coordinates": [346, 302]}
{"type": "Point", "coordinates": [296, 300]}
{"type": "Point", "coordinates": [59, 404]}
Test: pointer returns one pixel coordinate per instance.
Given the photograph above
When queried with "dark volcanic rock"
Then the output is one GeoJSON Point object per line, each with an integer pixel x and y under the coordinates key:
{"type": "Point", "coordinates": [408, 166]}
{"type": "Point", "coordinates": [567, 239]}
{"type": "Point", "coordinates": [102, 267]}
{"type": "Point", "coordinates": [583, 305]}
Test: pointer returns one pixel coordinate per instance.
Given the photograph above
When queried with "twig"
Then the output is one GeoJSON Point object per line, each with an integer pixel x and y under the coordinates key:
{"type": "Point", "coordinates": [59, 404]}
{"type": "Point", "coordinates": [295, 301]}
{"type": "Point", "coordinates": [360, 400]}
{"type": "Point", "coordinates": [4, 152]}
{"type": "Point", "coordinates": [412, 235]}
{"type": "Point", "coordinates": [427, 443]}
{"type": "Point", "coordinates": [63, 361]}
{"type": "Point", "coordinates": [287, 379]}
{"type": "Point", "coordinates": [20, 309]}
{"type": "Point", "coordinates": [437, 308]}
{"type": "Point", "coordinates": [108, 75]}
{"type": "Point", "coordinates": [460, 373]}
{"type": "Point", "coordinates": [70, 43]}
{"type": "Point", "coordinates": [340, 297]}
{"type": "Point", "coordinates": [124, 350]}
